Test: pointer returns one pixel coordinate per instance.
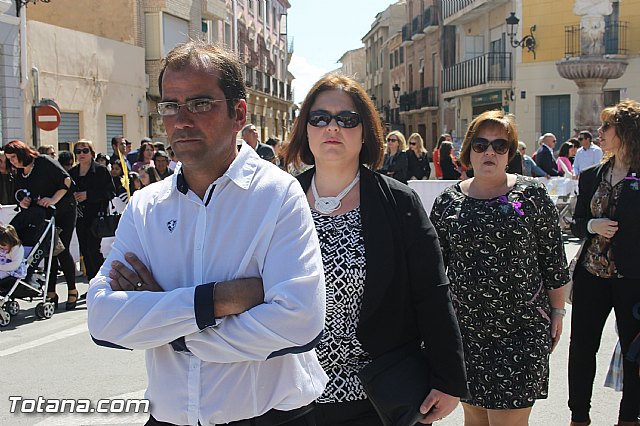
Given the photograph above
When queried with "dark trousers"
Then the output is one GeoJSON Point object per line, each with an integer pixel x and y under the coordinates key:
{"type": "Point", "coordinates": [66, 221]}
{"type": "Point", "coordinates": [89, 247]}
{"type": "Point", "coordinates": [351, 413]}
{"type": "Point", "coordinates": [267, 419]}
{"type": "Point", "coordinates": [593, 299]}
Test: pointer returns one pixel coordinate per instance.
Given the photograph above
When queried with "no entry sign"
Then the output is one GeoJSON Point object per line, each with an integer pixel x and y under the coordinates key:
{"type": "Point", "coordinates": [47, 117]}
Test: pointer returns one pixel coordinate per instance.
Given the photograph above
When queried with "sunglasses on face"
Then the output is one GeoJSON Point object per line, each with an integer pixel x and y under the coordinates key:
{"type": "Point", "coordinates": [82, 151]}
{"type": "Point", "coordinates": [344, 119]}
{"type": "Point", "coordinates": [412, 143]}
{"type": "Point", "coordinates": [194, 106]}
{"type": "Point", "coordinates": [392, 140]}
{"type": "Point", "coordinates": [605, 126]}
{"type": "Point", "coordinates": [480, 145]}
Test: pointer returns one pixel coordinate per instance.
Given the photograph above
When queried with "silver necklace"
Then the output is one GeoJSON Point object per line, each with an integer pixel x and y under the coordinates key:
{"type": "Point", "coordinates": [328, 205]}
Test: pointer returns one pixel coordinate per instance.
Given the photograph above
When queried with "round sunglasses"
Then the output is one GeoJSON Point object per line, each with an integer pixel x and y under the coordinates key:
{"type": "Point", "coordinates": [344, 119]}
{"type": "Point", "coordinates": [480, 145]}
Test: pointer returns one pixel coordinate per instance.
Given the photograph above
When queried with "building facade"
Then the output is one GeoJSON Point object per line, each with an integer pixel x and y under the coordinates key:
{"type": "Point", "coordinates": [12, 125]}
{"type": "Point", "coordinates": [353, 64]}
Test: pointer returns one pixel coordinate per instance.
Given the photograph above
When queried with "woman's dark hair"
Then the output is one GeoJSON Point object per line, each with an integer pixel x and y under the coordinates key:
{"type": "Point", "coordinates": [564, 149]}
{"type": "Point", "coordinates": [143, 148]}
{"type": "Point", "coordinates": [371, 154]}
{"type": "Point", "coordinates": [196, 54]}
{"type": "Point", "coordinates": [23, 152]}
{"type": "Point", "coordinates": [152, 172]}
{"type": "Point", "coordinates": [495, 119]}
{"type": "Point", "coordinates": [574, 142]}
{"type": "Point", "coordinates": [446, 149]}
{"type": "Point", "coordinates": [443, 137]}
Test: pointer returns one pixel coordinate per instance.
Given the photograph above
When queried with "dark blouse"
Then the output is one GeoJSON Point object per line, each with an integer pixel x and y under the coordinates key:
{"type": "Point", "coordinates": [45, 179]}
{"type": "Point", "coordinates": [99, 187]}
{"type": "Point", "coordinates": [418, 166]}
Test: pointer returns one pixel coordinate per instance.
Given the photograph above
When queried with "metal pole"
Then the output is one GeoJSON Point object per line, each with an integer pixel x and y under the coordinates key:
{"type": "Point", "coordinates": [235, 26]}
{"type": "Point", "coordinates": [35, 132]}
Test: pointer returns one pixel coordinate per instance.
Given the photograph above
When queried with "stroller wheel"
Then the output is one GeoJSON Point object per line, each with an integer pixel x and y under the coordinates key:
{"type": "Point", "coordinates": [12, 307]}
{"type": "Point", "coordinates": [40, 310]}
{"type": "Point", "coordinates": [5, 318]}
{"type": "Point", "coordinates": [49, 309]}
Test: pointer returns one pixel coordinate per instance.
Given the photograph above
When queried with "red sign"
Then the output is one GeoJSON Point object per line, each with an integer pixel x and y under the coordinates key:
{"type": "Point", "coordinates": [47, 117]}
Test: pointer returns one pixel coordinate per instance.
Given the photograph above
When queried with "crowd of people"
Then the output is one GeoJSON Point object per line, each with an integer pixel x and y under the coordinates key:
{"type": "Point", "coordinates": [343, 258]}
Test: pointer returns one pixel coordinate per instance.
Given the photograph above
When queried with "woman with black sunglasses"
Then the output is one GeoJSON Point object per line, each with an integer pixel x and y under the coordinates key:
{"type": "Point", "coordinates": [607, 276]}
{"type": "Point", "coordinates": [503, 249]}
{"type": "Point", "coordinates": [419, 168]}
{"type": "Point", "coordinates": [396, 161]}
{"type": "Point", "coordinates": [93, 191]}
{"type": "Point", "coordinates": [386, 286]}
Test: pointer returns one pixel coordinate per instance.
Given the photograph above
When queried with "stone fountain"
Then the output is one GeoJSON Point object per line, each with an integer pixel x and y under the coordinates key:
{"type": "Point", "coordinates": [591, 70]}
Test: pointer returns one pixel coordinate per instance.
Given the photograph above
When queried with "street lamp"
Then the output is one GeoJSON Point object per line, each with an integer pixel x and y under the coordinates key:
{"type": "Point", "coordinates": [527, 41]}
{"type": "Point", "coordinates": [396, 92]}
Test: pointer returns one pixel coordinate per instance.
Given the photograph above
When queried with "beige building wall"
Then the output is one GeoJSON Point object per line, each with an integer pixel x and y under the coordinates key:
{"type": "Point", "coordinates": [112, 19]}
{"type": "Point", "coordinates": [96, 77]}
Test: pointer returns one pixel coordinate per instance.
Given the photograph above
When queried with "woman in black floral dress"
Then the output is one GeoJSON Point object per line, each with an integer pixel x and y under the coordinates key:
{"type": "Point", "coordinates": [503, 249]}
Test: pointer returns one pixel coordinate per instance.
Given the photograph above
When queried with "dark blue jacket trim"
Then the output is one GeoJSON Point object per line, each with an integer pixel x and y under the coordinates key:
{"type": "Point", "coordinates": [297, 349]}
{"type": "Point", "coordinates": [203, 305]}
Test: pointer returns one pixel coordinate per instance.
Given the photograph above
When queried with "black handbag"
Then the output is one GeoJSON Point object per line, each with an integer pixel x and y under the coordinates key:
{"type": "Point", "coordinates": [105, 224]}
{"type": "Point", "coordinates": [397, 383]}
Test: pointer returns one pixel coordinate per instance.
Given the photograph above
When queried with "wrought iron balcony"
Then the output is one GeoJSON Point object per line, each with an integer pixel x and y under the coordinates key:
{"type": "Point", "coordinates": [615, 40]}
{"type": "Point", "coordinates": [423, 98]}
{"type": "Point", "coordinates": [406, 33]}
{"type": "Point", "coordinates": [451, 9]}
{"type": "Point", "coordinates": [429, 18]}
{"type": "Point", "coordinates": [416, 28]}
{"type": "Point", "coordinates": [485, 69]}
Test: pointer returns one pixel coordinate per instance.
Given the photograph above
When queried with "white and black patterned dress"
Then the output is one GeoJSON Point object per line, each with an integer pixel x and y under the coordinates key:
{"type": "Point", "coordinates": [502, 256]}
{"type": "Point", "coordinates": [340, 353]}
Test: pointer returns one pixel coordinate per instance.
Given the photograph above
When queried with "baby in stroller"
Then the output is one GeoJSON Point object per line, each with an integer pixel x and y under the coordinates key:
{"type": "Point", "coordinates": [12, 262]}
{"type": "Point", "coordinates": [26, 278]}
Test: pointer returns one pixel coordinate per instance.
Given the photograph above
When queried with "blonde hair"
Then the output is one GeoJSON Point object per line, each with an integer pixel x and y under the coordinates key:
{"type": "Point", "coordinates": [418, 138]}
{"type": "Point", "coordinates": [402, 143]}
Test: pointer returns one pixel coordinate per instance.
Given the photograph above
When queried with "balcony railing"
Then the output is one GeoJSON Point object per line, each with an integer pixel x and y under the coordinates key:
{"type": "Point", "coordinates": [426, 97]}
{"type": "Point", "coordinates": [451, 7]}
{"type": "Point", "coordinates": [430, 17]}
{"type": "Point", "coordinates": [416, 25]}
{"type": "Point", "coordinates": [615, 39]}
{"type": "Point", "coordinates": [406, 32]}
{"type": "Point", "coordinates": [488, 68]}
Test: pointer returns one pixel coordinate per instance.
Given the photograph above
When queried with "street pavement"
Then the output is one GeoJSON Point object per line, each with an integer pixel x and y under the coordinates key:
{"type": "Point", "coordinates": [56, 358]}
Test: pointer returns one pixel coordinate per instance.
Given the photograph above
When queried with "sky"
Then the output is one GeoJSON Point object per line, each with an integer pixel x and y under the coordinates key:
{"type": "Point", "coordinates": [322, 31]}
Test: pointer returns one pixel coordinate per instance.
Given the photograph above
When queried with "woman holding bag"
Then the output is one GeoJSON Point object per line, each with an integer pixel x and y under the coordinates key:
{"type": "Point", "coordinates": [93, 191]}
{"type": "Point", "coordinates": [386, 285]}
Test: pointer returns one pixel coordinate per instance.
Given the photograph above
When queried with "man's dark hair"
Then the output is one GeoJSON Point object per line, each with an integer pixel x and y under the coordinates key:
{"type": "Point", "coordinates": [586, 134]}
{"type": "Point", "coordinates": [162, 154]}
{"type": "Point", "coordinates": [272, 141]}
{"type": "Point", "coordinates": [65, 158]}
{"type": "Point", "coordinates": [114, 140]}
{"type": "Point", "coordinates": [199, 55]}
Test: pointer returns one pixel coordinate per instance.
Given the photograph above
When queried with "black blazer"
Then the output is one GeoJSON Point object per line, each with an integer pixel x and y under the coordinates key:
{"type": "Point", "coordinates": [418, 166]}
{"type": "Point", "coordinates": [626, 242]}
{"type": "Point", "coordinates": [406, 298]}
{"type": "Point", "coordinates": [99, 186]}
{"type": "Point", "coordinates": [398, 165]}
{"type": "Point", "coordinates": [544, 159]}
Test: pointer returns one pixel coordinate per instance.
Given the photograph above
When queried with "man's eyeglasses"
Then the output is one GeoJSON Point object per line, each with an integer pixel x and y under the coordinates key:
{"type": "Point", "coordinates": [480, 145]}
{"type": "Point", "coordinates": [81, 151]}
{"type": "Point", "coordinates": [194, 106]}
{"type": "Point", "coordinates": [344, 119]}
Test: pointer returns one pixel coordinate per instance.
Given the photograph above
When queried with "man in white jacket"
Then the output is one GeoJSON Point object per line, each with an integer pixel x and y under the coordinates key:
{"type": "Point", "coordinates": [221, 347]}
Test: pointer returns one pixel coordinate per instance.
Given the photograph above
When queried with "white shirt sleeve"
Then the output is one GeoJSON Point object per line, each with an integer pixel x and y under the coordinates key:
{"type": "Point", "coordinates": [292, 315]}
{"type": "Point", "coordinates": [136, 320]}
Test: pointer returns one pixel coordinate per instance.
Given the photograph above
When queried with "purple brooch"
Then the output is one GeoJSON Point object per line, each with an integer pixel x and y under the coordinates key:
{"type": "Point", "coordinates": [505, 203]}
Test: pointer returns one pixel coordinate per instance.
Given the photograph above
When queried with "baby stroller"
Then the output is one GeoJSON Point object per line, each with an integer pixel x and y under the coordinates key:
{"type": "Point", "coordinates": [37, 234]}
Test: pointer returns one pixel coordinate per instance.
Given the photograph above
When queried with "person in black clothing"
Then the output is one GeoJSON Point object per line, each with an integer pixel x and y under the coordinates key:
{"type": "Point", "coordinates": [396, 163]}
{"type": "Point", "coordinates": [448, 162]}
{"type": "Point", "coordinates": [48, 185]}
{"type": "Point", "coordinates": [7, 182]}
{"type": "Point", "coordinates": [93, 190]}
{"type": "Point", "coordinates": [419, 168]}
